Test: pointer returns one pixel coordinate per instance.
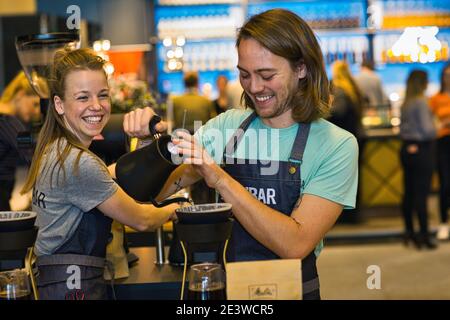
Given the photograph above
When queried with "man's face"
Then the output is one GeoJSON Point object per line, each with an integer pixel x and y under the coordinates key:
{"type": "Point", "coordinates": [267, 79]}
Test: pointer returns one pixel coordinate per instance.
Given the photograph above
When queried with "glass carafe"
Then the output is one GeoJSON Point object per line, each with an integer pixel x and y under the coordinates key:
{"type": "Point", "coordinates": [206, 282]}
{"type": "Point", "coordinates": [14, 285]}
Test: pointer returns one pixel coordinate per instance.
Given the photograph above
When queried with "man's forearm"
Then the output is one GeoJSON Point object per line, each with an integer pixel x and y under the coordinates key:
{"type": "Point", "coordinates": [274, 230]}
{"type": "Point", "coordinates": [182, 177]}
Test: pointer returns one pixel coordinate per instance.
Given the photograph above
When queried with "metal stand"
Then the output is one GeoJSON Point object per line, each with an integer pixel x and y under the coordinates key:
{"type": "Point", "coordinates": [160, 254]}
{"type": "Point", "coordinates": [203, 243]}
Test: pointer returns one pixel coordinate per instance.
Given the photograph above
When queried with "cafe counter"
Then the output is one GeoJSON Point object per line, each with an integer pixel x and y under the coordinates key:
{"type": "Point", "coordinates": [148, 281]}
{"type": "Point", "coordinates": [380, 168]}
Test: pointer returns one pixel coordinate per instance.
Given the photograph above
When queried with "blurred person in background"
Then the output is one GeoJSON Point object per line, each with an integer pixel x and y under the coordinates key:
{"type": "Point", "coordinates": [195, 106]}
{"type": "Point", "coordinates": [234, 92]}
{"type": "Point", "coordinates": [19, 106]}
{"type": "Point", "coordinates": [221, 104]}
{"type": "Point", "coordinates": [346, 113]}
{"type": "Point", "coordinates": [440, 106]}
{"type": "Point", "coordinates": [371, 86]}
{"type": "Point", "coordinates": [417, 132]}
{"type": "Point", "coordinates": [187, 109]}
{"type": "Point", "coordinates": [347, 104]}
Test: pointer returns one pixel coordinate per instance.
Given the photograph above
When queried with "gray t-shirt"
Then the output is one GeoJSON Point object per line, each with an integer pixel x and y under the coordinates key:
{"type": "Point", "coordinates": [370, 85]}
{"type": "Point", "coordinates": [417, 121]}
{"type": "Point", "coordinates": [60, 203]}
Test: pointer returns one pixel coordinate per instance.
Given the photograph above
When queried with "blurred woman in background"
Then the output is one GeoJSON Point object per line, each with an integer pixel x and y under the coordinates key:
{"type": "Point", "coordinates": [347, 105]}
{"type": "Point", "coordinates": [440, 105]}
{"type": "Point", "coordinates": [221, 104]}
{"type": "Point", "coordinates": [19, 106]}
{"type": "Point", "coordinates": [19, 99]}
{"type": "Point", "coordinates": [346, 113]}
{"type": "Point", "coordinates": [418, 132]}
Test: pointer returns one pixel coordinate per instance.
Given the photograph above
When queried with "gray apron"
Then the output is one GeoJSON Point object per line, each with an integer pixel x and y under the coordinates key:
{"type": "Point", "coordinates": [83, 257]}
{"type": "Point", "coordinates": [282, 188]}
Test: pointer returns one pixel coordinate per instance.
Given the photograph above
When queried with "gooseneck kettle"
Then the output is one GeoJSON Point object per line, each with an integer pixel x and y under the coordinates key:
{"type": "Point", "coordinates": [142, 173]}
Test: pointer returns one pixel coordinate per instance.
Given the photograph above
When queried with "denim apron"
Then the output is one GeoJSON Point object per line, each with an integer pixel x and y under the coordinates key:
{"type": "Point", "coordinates": [83, 257]}
{"type": "Point", "coordinates": [281, 192]}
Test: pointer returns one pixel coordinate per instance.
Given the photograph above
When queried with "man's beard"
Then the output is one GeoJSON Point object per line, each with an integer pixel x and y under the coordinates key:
{"type": "Point", "coordinates": [280, 109]}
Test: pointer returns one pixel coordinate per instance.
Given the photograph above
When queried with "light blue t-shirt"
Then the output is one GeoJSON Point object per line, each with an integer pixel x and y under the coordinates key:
{"type": "Point", "coordinates": [330, 161]}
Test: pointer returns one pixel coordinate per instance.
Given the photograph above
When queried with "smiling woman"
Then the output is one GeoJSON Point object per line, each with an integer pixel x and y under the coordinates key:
{"type": "Point", "coordinates": [86, 106]}
{"type": "Point", "coordinates": [81, 69]}
{"type": "Point", "coordinates": [74, 194]}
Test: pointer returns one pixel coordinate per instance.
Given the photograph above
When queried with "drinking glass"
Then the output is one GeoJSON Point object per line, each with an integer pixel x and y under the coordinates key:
{"type": "Point", "coordinates": [14, 285]}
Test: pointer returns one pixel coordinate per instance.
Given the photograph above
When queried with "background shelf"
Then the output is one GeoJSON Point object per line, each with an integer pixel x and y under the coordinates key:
{"type": "Point", "coordinates": [341, 28]}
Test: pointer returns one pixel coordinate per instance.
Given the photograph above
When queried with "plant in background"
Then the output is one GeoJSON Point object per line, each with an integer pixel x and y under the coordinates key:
{"type": "Point", "coordinates": [128, 93]}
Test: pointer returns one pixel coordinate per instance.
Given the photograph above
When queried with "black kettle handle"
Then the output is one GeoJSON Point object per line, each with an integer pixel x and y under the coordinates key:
{"type": "Point", "coordinates": [151, 125]}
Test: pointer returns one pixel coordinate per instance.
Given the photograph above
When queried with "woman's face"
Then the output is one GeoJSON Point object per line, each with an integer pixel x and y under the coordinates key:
{"type": "Point", "coordinates": [26, 106]}
{"type": "Point", "coordinates": [86, 106]}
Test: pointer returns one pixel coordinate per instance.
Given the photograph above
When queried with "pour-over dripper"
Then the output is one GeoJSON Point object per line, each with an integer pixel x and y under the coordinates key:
{"type": "Point", "coordinates": [36, 53]}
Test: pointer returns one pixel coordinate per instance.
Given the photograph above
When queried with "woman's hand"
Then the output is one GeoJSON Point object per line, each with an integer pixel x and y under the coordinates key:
{"type": "Point", "coordinates": [193, 153]}
{"type": "Point", "coordinates": [135, 123]}
{"type": "Point", "coordinates": [412, 148]}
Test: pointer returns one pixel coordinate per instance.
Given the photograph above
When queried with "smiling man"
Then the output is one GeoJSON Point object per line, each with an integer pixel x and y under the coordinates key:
{"type": "Point", "coordinates": [286, 213]}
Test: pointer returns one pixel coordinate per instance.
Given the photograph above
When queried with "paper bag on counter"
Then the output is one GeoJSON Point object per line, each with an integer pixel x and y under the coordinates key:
{"type": "Point", "coordinates": [264, 280]}
{"type": "Point", "coordinates": [115, 253]}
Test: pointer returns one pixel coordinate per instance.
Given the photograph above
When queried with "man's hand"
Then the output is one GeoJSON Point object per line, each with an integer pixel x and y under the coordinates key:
{"type": "Point", "coordinates": [135, 123]}
{"type": "Point", "coordinates": [199, 158]}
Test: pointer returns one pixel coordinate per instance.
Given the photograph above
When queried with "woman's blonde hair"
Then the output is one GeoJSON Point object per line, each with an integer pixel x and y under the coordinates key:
{"type": "Point", "coordinates": [19, 83]}
{"type": "Point", "coordinates": [343, 79]}
{"type": "Point", "coordinates": [286, 35]}
{"type": "Point", "coordinates": [54, 127]}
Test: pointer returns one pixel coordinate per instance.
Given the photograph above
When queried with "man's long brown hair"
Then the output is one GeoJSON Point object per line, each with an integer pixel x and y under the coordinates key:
{"type": "Point", "coordinates": [287, 35]}
{"type": "Point", "coordinates": [54, 128]}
